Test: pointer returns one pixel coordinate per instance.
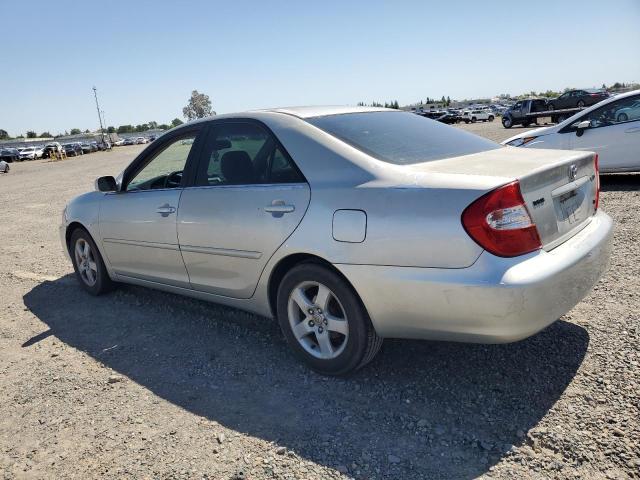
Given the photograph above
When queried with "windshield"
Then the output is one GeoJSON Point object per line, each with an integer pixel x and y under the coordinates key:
{"type": "Point", "coordinates": [401, 138]}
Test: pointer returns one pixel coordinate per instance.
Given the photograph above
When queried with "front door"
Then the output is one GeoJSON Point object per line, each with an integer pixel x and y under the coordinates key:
{"type": "Point", "coordinates": [138, 223]}
{"type": "Point", "coordinates": [614, 135]}
{"type": "Point", "coordinates": [249, 197]}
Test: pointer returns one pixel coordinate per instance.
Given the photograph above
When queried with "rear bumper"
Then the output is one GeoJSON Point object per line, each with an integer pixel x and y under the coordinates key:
{"type": "Point", "coordinates": [496, 300]}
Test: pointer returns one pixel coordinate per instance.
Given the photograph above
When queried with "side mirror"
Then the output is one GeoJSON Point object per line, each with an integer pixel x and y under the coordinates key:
{"type": "Point", "coordinates": [106, 184]}
{"type": "Point", "coordinates": [582, 126]}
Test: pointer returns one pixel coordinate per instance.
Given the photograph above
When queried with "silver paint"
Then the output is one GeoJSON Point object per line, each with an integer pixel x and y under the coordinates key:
{"type": "Point", "coordinates": [417, 271]}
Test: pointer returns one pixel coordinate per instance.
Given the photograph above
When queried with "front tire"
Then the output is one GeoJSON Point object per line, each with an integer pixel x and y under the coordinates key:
{"type": "Point", "coordinates": [491, 118]}
{"type": "Point", "coordinates": [324, 322]}
{"type": "Point", "coordinates": [623, 117]}
{"type": "Point", "coordinates": [88, 264]}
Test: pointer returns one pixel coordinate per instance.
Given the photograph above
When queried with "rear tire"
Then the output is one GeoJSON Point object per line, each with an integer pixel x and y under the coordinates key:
{"type": "Point", "coordinates": [88, 265]}
{"type": "Point", "coordinates": [324, 321]}
{"type": "Point", "coordinates": [507, 122]}
{"type": "Point", "coordinates": [491, 118]}
{"type": "Point", "coordinates": [623, 117]}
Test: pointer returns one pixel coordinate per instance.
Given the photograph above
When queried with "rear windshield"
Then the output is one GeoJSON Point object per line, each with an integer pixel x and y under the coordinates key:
{"type": "Point", "coordinates": [401, 138]}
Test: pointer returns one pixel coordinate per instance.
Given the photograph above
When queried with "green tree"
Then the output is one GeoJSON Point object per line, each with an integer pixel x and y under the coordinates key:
{"type": "Point", "coordinates": [111, 129]}
{"type": "Point", "coordinates": [164, 126]}
{"type": "Point", "coordinates": [3, 134]}
{"type": "Point", "coordinates": [199, 106]}
{"type": "Point", "coordinates": [176, 121]}
{"type": "Point", "coordinates": [75, 131]}
{"type": "Point", "coordinates": [125, 129]}
{"type": "Point", "coordinates": [45, 135]}
{"type": "Point", "coordinates": [31, 134]}
{"type": "Point", "coordinates": [448, 101]}
{"type": "Point", "coordinates": [152, 124]}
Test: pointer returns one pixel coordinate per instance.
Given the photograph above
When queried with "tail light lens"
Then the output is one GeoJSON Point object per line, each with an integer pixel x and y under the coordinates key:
{"type": "Point", "coordinates": [596, 167]}
{"type": "Point", "coordinates": [500, 222]}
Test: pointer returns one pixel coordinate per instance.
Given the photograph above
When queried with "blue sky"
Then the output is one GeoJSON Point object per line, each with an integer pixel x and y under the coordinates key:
{"type": "Point", "coordinates": [145, 57]}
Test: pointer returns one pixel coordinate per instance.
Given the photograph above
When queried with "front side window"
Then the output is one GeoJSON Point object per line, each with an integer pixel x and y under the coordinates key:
{"type": "Point", "coordinates": [620, 111]}
{"type": "Point", "coordinates": [401, 138]}
{"type": "Point", "coordinates": [244, 154]}
{"type": "Point", "coordinates": [165, 168]}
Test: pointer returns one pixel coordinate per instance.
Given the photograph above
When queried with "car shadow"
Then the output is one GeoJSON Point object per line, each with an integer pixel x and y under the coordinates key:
{"type": "Point", "coordinates": [420, 409]}
{"type": "Point", "coordinates": [613, 182]}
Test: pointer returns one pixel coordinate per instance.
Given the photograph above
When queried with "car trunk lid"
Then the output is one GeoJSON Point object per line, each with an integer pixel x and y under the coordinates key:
{"type": "Point", "coordinates": [559, 187]}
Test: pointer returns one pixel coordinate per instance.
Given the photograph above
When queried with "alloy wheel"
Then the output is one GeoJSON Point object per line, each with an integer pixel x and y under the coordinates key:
{"type": "Point", "coordinates": [86, 262]}
{"type": "Point", "coordinates": [318, 320]}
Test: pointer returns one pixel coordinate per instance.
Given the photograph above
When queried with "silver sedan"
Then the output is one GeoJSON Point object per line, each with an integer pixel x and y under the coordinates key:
{"type": "Point", "coordinates": [349, 225]}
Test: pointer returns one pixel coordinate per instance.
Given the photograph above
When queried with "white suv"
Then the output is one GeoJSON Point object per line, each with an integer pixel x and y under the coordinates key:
{"type": "Point", "coordinates": [478, 114]}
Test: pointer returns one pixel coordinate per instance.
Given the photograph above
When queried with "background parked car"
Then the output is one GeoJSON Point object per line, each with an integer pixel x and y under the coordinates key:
{"type": "Point", "coordinates": [87, 148]}
{"type": "Point", "coordinates": [9, 155]}
{"type": "Point", "coordinates": [31, 153]}
{"type": "Point", "coordinates": [578, 99]}
{"type": "Point", "coordinates": [50, 149]}
{"type": "Point", "coordinates": [72, 149]}
{"type": "Point", "coordinates": [605, 128]}
{"type": "Point", "coordinates": [448, 118]}
{"type": "Point", "coordinates": [129, 141]}
{"type": "Point", "coordinates": [478, 114]}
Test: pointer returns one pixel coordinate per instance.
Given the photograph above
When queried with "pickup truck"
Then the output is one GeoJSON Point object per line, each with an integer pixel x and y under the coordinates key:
{"type": "Point", "coordinates": [526, 112]}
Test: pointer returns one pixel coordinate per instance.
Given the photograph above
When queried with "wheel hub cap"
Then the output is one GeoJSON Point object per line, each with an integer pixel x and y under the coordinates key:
{"type": "Point", "coordinates": [318, 320]}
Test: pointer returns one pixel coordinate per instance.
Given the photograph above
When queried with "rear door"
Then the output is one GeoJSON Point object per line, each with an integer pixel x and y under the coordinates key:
{"type": "Point", "coordinates": [614, 135]}
{"type": "Point", "coordinates": [248, 198]}
{"type": "Point", "coordinates": [138, 223]}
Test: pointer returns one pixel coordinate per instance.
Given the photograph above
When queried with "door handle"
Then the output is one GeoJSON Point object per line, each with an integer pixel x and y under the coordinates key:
{"type": "Point", "coordinates": [632, 130]}
{"type": "Point", "coordinates": [166, 210]}
{"type": "Point", "coordinates": [278, 208]}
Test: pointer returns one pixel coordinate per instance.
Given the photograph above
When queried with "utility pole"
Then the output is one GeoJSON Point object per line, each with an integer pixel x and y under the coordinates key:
{"type": "Point", "coordinates": [104, 120]}
{"type": "Point", "coordinates": [95, 94]}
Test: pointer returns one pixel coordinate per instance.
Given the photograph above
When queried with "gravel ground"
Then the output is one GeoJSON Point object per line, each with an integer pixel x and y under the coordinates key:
{"type": "Point", "coordinates": [142, 384]}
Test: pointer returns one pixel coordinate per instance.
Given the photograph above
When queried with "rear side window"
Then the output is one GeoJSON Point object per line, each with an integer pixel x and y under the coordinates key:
{"type": "Point", "coordinates": [243, 153]}
{"type": "Point", "coordinates": [401, 138]}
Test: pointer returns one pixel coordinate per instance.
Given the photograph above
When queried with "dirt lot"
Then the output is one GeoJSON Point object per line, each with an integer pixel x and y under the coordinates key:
{"type": "Point", "coordinates": [141, 384]}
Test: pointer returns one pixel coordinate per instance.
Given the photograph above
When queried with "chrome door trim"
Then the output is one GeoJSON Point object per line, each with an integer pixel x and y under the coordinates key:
{"type": "Point", "coordinates": [138, 243]}
{"type": "Point", "coordinates": [225, 252]}
{"type": "Point", "coordinates": [261, 186]}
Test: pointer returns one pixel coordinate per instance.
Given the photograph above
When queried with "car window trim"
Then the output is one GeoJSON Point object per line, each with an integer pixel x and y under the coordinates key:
{"type": "Point", "coordinates": [209, 135]}
{"type": "Point", "coordinates": [145, 157]}
{"type": "Point", "coordinates": [264, 186]}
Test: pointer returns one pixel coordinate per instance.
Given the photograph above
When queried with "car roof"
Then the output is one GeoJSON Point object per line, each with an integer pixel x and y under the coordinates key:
{"type": "Point", "coordinates": [321, 111]}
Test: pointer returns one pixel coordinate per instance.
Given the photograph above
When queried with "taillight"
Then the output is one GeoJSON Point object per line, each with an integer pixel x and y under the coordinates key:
{"type": "Point", "coordinates": [500, 222]}
{"type": "Point", "coordinates": [596, 167]}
